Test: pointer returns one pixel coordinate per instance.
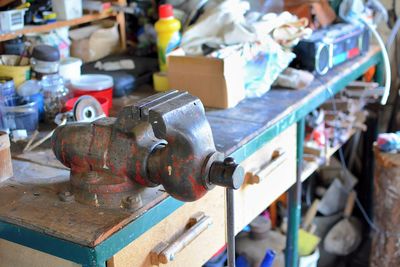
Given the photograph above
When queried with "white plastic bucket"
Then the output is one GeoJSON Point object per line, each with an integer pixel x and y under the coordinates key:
{"type": "Point", "coordinates": [311, 260]}
{"type": "Point", "coordinates": [70, 68]}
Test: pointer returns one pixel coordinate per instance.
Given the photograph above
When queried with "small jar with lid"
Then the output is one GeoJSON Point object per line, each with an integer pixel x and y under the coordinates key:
{"type": "Point", "coordinates": [55, 95]}
{"type": "Point", "coordinates": [45, 60]}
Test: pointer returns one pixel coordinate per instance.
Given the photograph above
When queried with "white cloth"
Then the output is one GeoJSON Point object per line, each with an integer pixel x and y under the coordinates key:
{"type": "Point", "coordinates": [124, 64]}
{"type": "Point", "coordinates": [220, 24]}
{"type": "Point", "coordinates": [224, 24]}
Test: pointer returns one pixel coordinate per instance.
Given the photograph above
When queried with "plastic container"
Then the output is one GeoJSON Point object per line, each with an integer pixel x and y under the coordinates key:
{"type": "Point", "coordinates": [21, 117]}
{"type": "Point", "coordinates": [7, 90]}
{"type": "Point", "coordinates": [6, 170]}
{"type": "Point", "coordinates": [14, 47]}
{"type": "Point", "coordinates": [168, 35]}
{"type": "Point", "coordinates": [30, 91]}
{"type": "Point", "coordinates": [70, 68]}
{"type": "Point", "coordinates": [11, 20]}
{"type": "Point", "coordinates": [310, 261]}
{"type": "Point", "coordinates": [269, 258]}
{"type": "Point", "coordinates": [19, 74]}
{"type": "Point", "coordinates": [96, 85]}
{"type": "Point", "coordinates": [67, 9]}
{"type": "Point", "coordinates": [49, 16]}
{"type": "Point", "coordinates": [69, 105]}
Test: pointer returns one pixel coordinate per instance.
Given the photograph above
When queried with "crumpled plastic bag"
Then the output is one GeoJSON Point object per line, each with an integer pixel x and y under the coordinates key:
{"type": "Point", "coordinates": [264, 62]}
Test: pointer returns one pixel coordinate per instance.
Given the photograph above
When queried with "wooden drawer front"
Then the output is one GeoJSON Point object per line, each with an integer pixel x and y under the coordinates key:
{"type": "Point", "coordinates": [197, 252]}
{"type": "Point", "coordinates": [12, 254]}
{"type": "Point", "coordinates": [270, 177]}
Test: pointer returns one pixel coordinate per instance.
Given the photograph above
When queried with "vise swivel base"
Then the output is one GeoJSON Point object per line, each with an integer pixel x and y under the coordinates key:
{"type": "Point", "coordinates": [163, 140]}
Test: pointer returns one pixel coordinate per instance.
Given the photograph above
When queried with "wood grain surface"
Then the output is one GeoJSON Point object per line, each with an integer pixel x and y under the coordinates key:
{"type": "Point", "coordinates": [232, 128]}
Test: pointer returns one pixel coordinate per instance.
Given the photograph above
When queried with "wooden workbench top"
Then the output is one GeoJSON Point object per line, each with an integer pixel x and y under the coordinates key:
{"type": "Point", "coordinates": [37, 207]}
{"type": "Point", "coordinates": [233, 128]}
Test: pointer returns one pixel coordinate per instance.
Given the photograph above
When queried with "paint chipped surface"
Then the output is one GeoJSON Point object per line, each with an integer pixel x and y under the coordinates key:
{"type": "Point", "coordinates": [169, 170]}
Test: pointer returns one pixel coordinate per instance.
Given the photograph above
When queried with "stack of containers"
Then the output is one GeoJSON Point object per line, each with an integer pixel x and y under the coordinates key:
{"type": "Point", "coordinates": [17, 114]}
{"type": "Point", "coordinates": [99, 86]}
{"type": "Point", "coordinates": [45, 60]}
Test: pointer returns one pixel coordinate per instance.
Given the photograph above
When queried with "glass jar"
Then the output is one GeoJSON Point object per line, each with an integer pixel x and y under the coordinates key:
{"type": "Point", "coordinates": [45, 60]}
{"type": "Point", "coordinates": [55, 95]}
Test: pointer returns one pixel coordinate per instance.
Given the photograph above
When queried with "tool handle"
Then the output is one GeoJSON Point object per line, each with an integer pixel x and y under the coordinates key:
{"type": "Point", "coordinates": [34, 135]}
{"type": "Point", "coordinates": [40, 141]}
{"type": "Point", "coordinates": [169, 253]}
{"type": "Point", "coordinates": [348, 210]}
{"type": "Point", "coordinates": [277, 158]}
{"type": "Point", "coordinates": [310, 215]}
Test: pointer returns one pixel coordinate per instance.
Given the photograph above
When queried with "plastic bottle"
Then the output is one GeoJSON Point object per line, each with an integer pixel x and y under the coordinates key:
{"type": "Point", "coordinates": [241, 261]}
{"type": "Point", "coordinates": [268, 259]}
{"type": "Point", "coordinates": [168, 35]}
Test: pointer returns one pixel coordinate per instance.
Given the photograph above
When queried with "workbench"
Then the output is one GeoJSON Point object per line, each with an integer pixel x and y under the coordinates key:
{"type": "Point", "coordinates": [36, 229]}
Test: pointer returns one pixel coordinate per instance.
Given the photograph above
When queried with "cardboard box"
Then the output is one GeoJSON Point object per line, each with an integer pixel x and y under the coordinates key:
{"type": "Point", "coordinates": [94, 42]}
{"type": "Point", "coordinates": [219, 83]}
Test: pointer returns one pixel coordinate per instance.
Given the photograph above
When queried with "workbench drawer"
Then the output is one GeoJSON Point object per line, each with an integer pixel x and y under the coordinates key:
{"type": "Point", "coordinates": [209, 236]}
{"type": "Point", "coordinates": [269, 172]}
{"type": "Point", "coordinates": [12, 254]}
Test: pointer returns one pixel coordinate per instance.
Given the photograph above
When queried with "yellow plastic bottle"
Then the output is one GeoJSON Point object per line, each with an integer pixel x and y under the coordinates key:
{"type": "Point", "coordinates": [168, 35]}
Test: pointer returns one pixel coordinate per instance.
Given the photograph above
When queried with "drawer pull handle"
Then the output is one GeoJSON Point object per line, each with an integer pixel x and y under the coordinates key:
{"type": "Point", "coordinates": [277, 158]}
{"type": "Point", "coordinates": [164, 253]}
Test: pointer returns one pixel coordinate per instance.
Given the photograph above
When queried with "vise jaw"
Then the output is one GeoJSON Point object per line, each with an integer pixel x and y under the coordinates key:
{"type": "Point", "coordinates": [163, 140]}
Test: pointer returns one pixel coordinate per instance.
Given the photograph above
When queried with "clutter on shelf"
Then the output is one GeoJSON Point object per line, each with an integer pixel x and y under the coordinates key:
{"type": "Point", "coordinates": [336, 121]}
{"type": "Point", "coordinates": [96, 41]}
{"type": "Point", "coordinates": [239, 57]}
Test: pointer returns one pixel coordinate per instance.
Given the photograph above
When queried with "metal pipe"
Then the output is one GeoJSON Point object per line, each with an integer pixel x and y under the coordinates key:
{"type": "Point", "coordinates": [230, 229]}
{"type": "Point", "coordinates": [292, 254]}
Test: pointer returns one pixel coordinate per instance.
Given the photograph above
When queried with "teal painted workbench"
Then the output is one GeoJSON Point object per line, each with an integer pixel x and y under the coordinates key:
{"type": "Point", "coordinates": [238, 132]}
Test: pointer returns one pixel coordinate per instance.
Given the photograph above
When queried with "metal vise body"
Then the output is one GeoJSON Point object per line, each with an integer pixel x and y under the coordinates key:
{"type": "Point", "coordinates": [164, 139]}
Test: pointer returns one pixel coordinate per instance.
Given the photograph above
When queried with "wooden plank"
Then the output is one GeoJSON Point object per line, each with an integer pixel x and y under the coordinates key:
{"type": "Point", "coordinates": [197, 252]}
{"type": "Point", "coordinates": [12, 254]}
{"type": "Point", "coordinates": [311, 167]}
{"type": "Point", "coordinates": [122, 24]}
{"type": "Point", "coordinates": [252, 199]}
{"type": "Point", "coordinates": [58, 24]}
{"type": "Point", "coordinates": [39, 208]}
{"type": "Point", "coordinates": [228, 132]}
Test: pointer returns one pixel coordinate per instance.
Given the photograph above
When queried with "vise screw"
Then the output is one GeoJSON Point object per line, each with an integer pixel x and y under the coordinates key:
{"type": "Point", "coordinates": [164, 139]}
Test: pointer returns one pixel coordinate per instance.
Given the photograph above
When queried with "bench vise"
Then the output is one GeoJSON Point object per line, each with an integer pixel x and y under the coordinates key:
{"type": "Point", "coordinates": [163, 140]}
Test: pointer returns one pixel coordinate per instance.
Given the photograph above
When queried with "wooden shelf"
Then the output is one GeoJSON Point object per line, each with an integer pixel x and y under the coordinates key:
{"type": "Point", "coordinates": [59, 24]}
{"type": "Point", "coordinates": [310, 167]}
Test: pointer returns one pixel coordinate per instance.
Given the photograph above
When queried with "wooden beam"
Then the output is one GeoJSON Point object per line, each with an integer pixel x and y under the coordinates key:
{"type": "Point", "coordinates": [122, 24]}
{"type": "Point", "coordinates": [58, 24]}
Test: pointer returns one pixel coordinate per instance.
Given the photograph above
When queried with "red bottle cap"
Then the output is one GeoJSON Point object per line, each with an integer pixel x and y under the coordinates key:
{"type": "Point", "coordinates": [165, 11]}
